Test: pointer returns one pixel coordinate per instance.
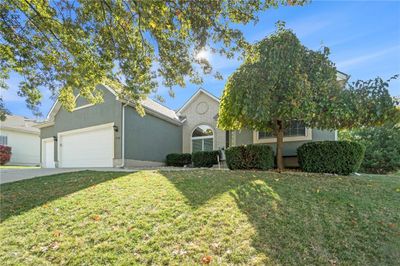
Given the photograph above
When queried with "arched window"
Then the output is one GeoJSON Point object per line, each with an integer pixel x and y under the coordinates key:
{"type": "Point", "coordinates": [203, 138]}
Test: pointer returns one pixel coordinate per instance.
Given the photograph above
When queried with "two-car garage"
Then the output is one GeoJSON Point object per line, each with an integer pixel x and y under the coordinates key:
{"type": "Point", "coordinates": [86, 147]}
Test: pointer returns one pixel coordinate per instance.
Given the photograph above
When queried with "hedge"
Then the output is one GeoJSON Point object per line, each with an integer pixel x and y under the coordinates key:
{"type": "Point", "coordinates": [5, 154]}
{"type": "Point", "coordinates": [178, 159]}
{"type": "Point", "coordinates": [205, 158]}
{"type": "Point", "coordinates": [254, 156]}
{"type": "Point", "coordinates": [337, 157]}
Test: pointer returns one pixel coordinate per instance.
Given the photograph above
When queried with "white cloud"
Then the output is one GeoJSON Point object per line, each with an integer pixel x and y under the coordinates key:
{"type": "Point", "coordinates": [10, 95]}
{"type": "Point", "coordinates": [366, 57]}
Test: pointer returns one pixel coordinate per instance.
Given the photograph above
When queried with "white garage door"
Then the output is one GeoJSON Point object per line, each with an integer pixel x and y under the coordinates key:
{"type": "Point", "coordinates": [88, 147]}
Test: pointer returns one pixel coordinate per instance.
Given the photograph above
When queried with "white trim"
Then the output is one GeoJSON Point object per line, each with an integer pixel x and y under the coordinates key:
{"type": "Point", "coordinates": [194, 96]}
{"type": "Point", "coordinates": [308, 136]}
{"type": "Point", "coordinates": [73, 131]}
{"type": "Point", "coordinates": [43, 153]}
{"type": "Point", "coordinates": [122, 165]}
{"type": "Point", "coordinates": [45, 124]}
{"type": "Point", "coordinates": [154, 113]}
{"type": "Point", "coordinates": [51, 109]}
{"type": "Point", "coordinates": [80, 130]}
{"type": "Point", "coordinates": [205, 137]}
{"type": "Point", "coordinates": [83, 106]}
{"type": "Point", "coordinates": [336, 135]}
{"type": "Point", "coordinates": [20, 130]}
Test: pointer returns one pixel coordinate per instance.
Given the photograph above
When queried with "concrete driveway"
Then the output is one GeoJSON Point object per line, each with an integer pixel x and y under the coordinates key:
{"type": "Point", "coordinates": [11, 175]}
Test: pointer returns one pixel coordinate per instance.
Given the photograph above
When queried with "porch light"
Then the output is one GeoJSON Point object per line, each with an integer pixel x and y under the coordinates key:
{"type": "Point", "coordinates": [55, 138]}
{"type": "Point", "coordinates": [115, 128]}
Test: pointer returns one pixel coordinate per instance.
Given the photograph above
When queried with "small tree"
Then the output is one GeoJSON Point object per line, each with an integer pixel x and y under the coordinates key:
{"type": "Point", "coordinates": [281, 80]}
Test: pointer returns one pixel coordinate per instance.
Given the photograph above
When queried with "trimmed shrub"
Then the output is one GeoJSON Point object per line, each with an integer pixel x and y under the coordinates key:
{"type": "Point", "coordinates": [5, 154]}
{"type": "Point", "coordinates": [254, 156]}
{"type": "Point", "coordinates": [336, 157]}
{"type": "Point", "coordinates": [178, 159]}
{"type": "Point", "coordinates": [205, 158]}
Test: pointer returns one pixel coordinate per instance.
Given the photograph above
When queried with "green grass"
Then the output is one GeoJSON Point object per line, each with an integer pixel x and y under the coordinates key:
{"type": "Point", "coordinates": [178, 217]}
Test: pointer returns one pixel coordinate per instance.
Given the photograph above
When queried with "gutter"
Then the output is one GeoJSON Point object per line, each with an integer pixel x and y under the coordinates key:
{"type": "Point", "coordinates": [123, 136]}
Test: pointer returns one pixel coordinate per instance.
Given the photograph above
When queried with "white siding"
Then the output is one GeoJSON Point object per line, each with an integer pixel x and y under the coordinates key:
{"type": "Point", "coordinates": [25, 147]}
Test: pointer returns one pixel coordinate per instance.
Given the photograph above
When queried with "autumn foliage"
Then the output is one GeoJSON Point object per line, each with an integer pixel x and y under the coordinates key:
{"type": "Point", "coordinates": [5, 154]}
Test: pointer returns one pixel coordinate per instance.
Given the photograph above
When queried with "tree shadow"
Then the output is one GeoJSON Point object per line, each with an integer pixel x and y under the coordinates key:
{"type": "Point", "coordinates": [281, 230]}
{"type": "Point", "coordinates": [203, 185]}
{"type": "Point", "coordinates": [21, 196]}
{"type": "Point", "coordinates": [253, 196]}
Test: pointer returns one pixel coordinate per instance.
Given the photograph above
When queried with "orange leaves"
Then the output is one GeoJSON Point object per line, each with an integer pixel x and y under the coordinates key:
{"type": "Point", "coordinates": [206, 260]}
{"type": "Point", "coordinates": [96, 218]}
{"type": "Point", "coordinates": [57, 233]}
{"type": "Point", "coordinates": [392, 225]}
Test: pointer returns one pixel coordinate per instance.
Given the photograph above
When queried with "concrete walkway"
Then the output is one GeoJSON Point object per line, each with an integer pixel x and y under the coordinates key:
{"type": "Point", "coordinates": [11, 175]}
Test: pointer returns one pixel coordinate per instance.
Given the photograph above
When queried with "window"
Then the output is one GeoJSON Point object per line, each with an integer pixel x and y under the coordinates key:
{"type": "Point", "coordinates": [203, 139]}
{"type": "Point", "coordinates": [294, 131]}
{"type": "Point", "coordinates": [3, 140]}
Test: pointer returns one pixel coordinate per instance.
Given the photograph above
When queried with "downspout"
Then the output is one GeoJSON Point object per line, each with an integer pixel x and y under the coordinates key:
{"type": "Point", "coordinates": [123, 137]}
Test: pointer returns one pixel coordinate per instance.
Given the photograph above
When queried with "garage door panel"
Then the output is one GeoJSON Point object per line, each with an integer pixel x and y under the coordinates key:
{"type": "Point", "coordinates": [93, 148]}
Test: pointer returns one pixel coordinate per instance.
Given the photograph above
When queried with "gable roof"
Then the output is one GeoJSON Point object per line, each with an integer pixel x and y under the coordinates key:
{"type": "Point", "coordinates": [150, 106]}
{"type": "Point", "coordinates": [19, 123]}
{"type": "Point", "coordinates": [191, 99]}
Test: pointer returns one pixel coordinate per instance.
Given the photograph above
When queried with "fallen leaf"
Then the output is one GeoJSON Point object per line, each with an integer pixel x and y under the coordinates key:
{"type": "Point", "coordinates": [391, 225]}
{"type": "Point", "coordinates": [206, 259]}
{"type": "Point", "coordinates": [130, 228]}
{"type": "Point", "coordinates": [96, 218]}
{"type": "Point", "coordinates": [57, 233]}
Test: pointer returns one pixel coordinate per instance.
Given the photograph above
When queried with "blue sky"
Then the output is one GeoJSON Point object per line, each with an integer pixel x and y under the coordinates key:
{"type": "Point", "coordinates": [364, 38]}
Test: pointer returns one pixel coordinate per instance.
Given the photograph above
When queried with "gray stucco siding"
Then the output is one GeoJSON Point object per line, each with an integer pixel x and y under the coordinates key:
{"type": "Point", "coordinates": [150, 138]}
{"type": "Point", "coordinates": [107, 112]}
{"type": "Point", "coordinates": [245, 137]}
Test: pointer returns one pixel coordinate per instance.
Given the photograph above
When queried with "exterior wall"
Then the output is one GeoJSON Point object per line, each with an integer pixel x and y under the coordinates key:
{"type": "Point", "coordinates": [107, 112]}
{"type": "Point", "coordinates": [25, 147]}
{"type": "Point", "coordinates": [195, 117]}
{"type": "Point", "coordinates": [149, 138]}
{"type": "Point", "coordinates": [244, 137]}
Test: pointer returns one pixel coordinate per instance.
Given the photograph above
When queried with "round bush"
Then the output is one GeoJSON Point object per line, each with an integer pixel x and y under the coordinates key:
{"type": "Point", "coordinates": [250, 157]}
{"type": "Point", "coordinates": [337, 157]}
{"type": "Point", "coordinates": [178, 159]}
{"type": "Point", "coordinates": [205, 158]}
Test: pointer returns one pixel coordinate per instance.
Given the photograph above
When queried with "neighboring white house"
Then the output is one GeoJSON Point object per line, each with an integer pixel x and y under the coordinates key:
{"type": "Point", "coordinates": [18, 133]}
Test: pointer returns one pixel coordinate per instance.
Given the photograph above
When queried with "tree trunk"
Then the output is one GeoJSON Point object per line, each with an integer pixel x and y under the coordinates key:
{"type": "Point", "coordinates": [279, 145]}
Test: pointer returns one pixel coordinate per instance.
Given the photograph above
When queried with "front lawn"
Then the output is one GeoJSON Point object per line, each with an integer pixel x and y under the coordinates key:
{"type": "Point", "coordinates": [193, 217]}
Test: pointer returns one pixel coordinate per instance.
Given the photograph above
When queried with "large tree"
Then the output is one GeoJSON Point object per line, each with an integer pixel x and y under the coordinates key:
{"type": "Point", "coordinates": [70, 46]}
{"type": "Point", "coordinates": [281, 80]}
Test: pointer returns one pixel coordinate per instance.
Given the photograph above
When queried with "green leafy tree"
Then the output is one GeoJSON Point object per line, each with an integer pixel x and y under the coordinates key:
{"type": "Point", "coordinates": [281, 80]}
{"type": "Point", "coordinates": [382, 143]}
{"type": "Point", "coordinates": [70, 46]}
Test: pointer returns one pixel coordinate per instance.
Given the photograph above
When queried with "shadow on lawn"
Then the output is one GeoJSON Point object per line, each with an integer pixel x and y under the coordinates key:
{"type": "Point", "coordinates": [253, 196]}
{"type": "Point", "coordinates": [21, 196]}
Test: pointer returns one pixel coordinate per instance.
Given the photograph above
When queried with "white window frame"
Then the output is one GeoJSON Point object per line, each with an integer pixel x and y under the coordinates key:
{"type": "Point", "coordinates": [202, 137]}
{"type": "Point", "coordinates": [6, 140]}
{"type": "Point", "coordinates": [307, 136]}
